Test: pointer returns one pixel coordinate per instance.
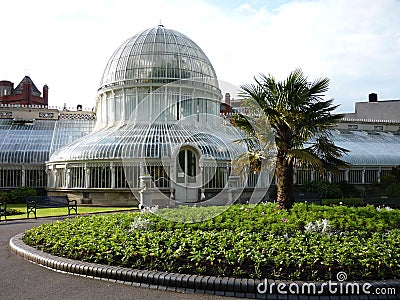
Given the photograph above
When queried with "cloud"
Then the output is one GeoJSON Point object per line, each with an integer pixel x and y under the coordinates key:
{"type": "Point", "coordinates": [354, 43]}
{"type": "Point", "coordinates": [67, 45]}
{"type": "Point", "coordinates": [245, 8]}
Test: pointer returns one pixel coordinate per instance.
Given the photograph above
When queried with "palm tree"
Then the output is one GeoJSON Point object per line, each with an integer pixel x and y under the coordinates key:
{"type": "Point", "coordinates": [300, 120]}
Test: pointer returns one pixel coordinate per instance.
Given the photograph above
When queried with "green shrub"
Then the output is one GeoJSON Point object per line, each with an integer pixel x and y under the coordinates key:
{"type": "Point", "coordinates": [18, 195]}
{"type": "Point", "coordinates": [249, 241]}
{"type": "Point", "coordinates": [326, 189]}
{"type": "Point", "coordinates": [389, 185]}
{"type": "Point", "coordinates": [348, 190]}
{"type": "Point", "coordinates": [4, 197]}
{"type": "Point", "coordinates": [330, 190]}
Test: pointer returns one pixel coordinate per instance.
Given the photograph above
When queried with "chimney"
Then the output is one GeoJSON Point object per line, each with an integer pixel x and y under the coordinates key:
{"type": "Point", "coordinates": [228, 99]}
{"type": "Point", "coordinates": [373, 97]}
{"type": "Point", "coordinates": [45, 94]}
{"type": "Point", "coordinates": [26, 93]}
{"type": "Point", "coordinates": [228, 102]}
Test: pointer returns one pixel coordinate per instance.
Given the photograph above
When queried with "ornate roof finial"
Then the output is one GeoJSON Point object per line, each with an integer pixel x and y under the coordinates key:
{"type": "Point", "coordinates": [160, 24]}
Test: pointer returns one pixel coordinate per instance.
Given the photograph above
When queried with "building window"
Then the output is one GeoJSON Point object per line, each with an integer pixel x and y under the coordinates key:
{"type": "Point", "coordinates": [100, 177]}
{"type": "Point", "coordinates": [352, 127]}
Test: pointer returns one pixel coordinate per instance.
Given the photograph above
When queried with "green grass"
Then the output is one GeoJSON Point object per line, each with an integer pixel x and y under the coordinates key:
{"type": "Point", "coordinates": [60, 211]}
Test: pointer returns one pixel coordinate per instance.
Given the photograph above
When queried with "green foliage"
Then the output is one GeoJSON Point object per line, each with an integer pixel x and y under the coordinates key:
{"type": "Point", "coordinates": [326, 189]}
{"type": "Point", "coordinates": [331, 190]}
{"type": "Point", "coordinates": [18, 195]}
{"type": "Point", "coordinates": [4, 196]}
{"type": "Point", "coordinates": [390, 184]}
{"type": "Point", "coordinates": [244, 241]}
{"type": "Point", "coordinates": [348, 190]}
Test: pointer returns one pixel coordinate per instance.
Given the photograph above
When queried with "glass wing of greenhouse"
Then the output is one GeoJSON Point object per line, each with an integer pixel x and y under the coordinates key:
{"type": "Point", "coordinates": [372, 154]}
{"type": "Point", "coordinates": [369, 148]}
{"type": "Point", "coordinates": [25, 146]}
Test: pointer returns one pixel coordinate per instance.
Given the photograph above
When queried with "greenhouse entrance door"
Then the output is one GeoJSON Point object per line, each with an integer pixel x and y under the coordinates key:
{"type": "Point", "coordinates": [187, 171]}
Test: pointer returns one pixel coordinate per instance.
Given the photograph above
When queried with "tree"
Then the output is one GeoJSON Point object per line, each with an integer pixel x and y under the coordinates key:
{"type": "Point", "coordinates": [300, 120]}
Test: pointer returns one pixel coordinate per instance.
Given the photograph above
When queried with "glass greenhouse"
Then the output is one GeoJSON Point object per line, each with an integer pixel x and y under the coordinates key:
{"type": "Point", "coordinates": [157, 117]}
{"type": "Point", "coordinates": [157, 132]}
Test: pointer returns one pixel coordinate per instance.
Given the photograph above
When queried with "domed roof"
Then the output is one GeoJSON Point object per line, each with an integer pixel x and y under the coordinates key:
{"type": "Point", "coordinates": [152, 141]}
{"type": "Point", "coordinates": [158, 55]}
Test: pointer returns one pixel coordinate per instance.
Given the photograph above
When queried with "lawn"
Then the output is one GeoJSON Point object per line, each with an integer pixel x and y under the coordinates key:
{"type": "Point", "coordinates": [310, 242]}
{"type": "Point", "coordinates": [60, 211]}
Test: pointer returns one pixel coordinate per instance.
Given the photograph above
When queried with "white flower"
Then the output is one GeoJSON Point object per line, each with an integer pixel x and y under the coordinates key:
{"type": "Point", "coordinates": [149, 210]}
{"type": "Point", "coordinates": [384, 207]}
{"type": "Point", "coordinates": [139, 224]}
{"type": "Point", "coordinates": [310, 227]}
{"type": "Point", "coordinates": [325, 226]}
{"type": "Point", "coordinates": [321, 226]}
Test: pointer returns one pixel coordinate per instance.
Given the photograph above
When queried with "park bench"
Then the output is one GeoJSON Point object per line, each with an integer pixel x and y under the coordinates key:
{"type": "Point", "coordinates": [3, 210]}
{"type": "Point", "coordinates": [308, 197]}
{"type": "Point", "coordinates": [392, 201]}
{"type": "Point", "coordinates": [36, 202]}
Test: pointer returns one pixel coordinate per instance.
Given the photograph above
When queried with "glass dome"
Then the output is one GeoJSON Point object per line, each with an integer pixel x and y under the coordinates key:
{"type": "Point", "coordinates": [159, 74]}
{"type": "Point", "coordinates": [159, 55]}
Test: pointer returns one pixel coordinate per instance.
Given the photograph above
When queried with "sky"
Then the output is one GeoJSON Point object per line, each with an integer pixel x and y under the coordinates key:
{"type": "Point", "coordinates": [66, 44]}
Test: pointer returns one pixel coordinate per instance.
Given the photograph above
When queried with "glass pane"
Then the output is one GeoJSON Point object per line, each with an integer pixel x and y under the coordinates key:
{"type": "Point", "coordinates": [191, 166]}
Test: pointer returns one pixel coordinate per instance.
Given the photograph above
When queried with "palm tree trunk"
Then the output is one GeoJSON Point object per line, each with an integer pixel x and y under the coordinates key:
{"type": "Point", "coordinates": [284, 173]}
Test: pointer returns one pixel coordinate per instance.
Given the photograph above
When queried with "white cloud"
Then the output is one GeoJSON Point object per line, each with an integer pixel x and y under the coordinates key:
{"type": "Point", "coordinates": [67, 44]}
{"type": "Point", "coordinates": [245, 8]}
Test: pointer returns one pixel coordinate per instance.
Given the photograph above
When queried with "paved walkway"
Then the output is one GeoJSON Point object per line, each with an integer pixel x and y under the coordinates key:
{"type": "Point", "coordinates": [21, 279]}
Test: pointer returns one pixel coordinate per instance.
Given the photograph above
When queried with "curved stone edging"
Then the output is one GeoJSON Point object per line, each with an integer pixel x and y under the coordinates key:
{"type": "Point", "coordinates": [224, 286]}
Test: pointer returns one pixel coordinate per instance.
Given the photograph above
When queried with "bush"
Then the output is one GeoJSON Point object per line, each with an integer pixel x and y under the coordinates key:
{"type": "Point", "coordinates": [309, 242]}
{"type": "Point", "coordinates": [326, 189]}
{"type": "Point", "coordinates": [348, 190]}
{"type": "Point", "coordinates": [389, 184]}
{"type": "Point", "coordinates": [4, 196]}
{"type": "Point", "coordinates": [330, 190]}
{"type": "Point", "coordinates": [18, 195]}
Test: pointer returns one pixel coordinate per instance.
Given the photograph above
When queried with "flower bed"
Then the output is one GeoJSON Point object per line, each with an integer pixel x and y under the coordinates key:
{"type": "Point", "coordinates": [308, 243]}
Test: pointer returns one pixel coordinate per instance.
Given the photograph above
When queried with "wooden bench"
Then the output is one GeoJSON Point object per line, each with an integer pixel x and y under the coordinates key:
{"type": "Point", "coordinates": [3, 210]}
{"type": "Point", "coordinates": [392, 201]}
{"type": "Point", "coordinates": [308, 197]}
{"type": "Point", "coordinates": [35, 202]}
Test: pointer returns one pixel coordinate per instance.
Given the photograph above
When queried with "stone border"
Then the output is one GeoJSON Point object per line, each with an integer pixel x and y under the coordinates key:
{"type": "Point", "coordinates": [222, 286]}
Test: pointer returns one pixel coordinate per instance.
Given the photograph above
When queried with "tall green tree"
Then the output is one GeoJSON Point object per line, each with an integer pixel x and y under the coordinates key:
{"type": "Point", "coordinates": [300, 120]}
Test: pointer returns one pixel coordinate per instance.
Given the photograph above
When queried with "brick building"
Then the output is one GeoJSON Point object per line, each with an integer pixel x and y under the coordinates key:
{"type": "Point", "coordinates": [26, 93]}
